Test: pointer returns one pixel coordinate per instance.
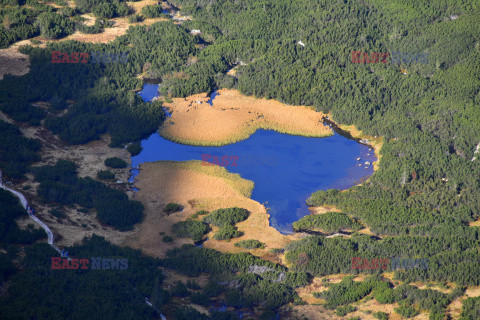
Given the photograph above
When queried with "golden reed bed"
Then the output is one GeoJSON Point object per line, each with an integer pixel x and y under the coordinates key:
{"type": "Point", "coordinates": [198, 187]}
{"type": "Point", "coordinates": [234, 117]}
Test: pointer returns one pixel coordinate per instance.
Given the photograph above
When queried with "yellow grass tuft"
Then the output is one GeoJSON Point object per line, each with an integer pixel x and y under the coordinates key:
{"type": "Point", "coordinates": [234, 117]}
{"type": "Point", "coordinates": [242, 186]}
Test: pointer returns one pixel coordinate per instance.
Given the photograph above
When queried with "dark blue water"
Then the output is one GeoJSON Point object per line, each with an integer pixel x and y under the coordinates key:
{"type": "Point", "coordinates": [286, 169]}
{"type": "Point", "coordinates": [212, 96]}
{"type": "Point", "coordinates": [149, 91]}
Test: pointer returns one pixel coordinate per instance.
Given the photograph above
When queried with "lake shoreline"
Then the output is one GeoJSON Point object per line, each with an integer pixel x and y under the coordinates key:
{"type": "Point", "coordinates": [195, 103]}
{"type": "Point", "coordinates": [259, 227]}
{"type": "Point", "coordinates": [197, 188]}
{"type": "Point", "coordinates": [353, 133]}
{"type": "Point", "coordinates": [194, 121]}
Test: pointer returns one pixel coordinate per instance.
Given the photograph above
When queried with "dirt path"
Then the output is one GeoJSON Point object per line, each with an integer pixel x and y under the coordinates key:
{"type": "Point", "coordinates": [24, 203]}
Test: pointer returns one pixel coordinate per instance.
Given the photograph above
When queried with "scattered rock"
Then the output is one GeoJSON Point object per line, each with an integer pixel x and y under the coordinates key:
{"type": "Point", "coordinates": [258, 269]}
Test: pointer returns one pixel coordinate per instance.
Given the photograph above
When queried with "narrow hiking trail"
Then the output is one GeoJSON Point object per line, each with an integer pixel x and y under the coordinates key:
{"type": "Point", "coordinates": [25, 205]}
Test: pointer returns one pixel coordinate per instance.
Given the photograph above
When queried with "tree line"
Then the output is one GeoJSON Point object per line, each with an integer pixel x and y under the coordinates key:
{"type": "Point", "coordinates": [60, 184]}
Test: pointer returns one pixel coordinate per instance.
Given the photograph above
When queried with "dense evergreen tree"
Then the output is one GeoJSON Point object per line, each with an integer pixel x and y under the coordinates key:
{"type": "Point", "coordinates": [10, 209]}
{"type": "Point", "coordinates": [190, 229]}
{"type": "Point", "coordinates": [470, 309]}
{"type": "Point", "coordinates": [326, 222]}
{"type": "Point", "coordinates": [421, 198]}
{"type": "Point", "coordinates": [60, 183]}
{"type": "Point", "coordinates": [80, 294]}
{"type": "Point", "coordinates": [226, 217]}
{"type": "Point", "coordinates": [16, 151]}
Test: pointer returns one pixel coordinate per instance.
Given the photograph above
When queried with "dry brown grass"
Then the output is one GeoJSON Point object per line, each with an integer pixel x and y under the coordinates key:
{"type": "Point", "coordinates": [319, 284]}
{"type": "Point", "coordinates": [312, 312]}
{"type": "Point", "coordinates": [306, 293]}
{"type": "Point", "coordinates": [179, 182]}
{"type": "Point", "coordinates": [137, 6]}
{"type": "Point", "coordinates": [232, 72]}
{"type": "Point", "coordinates": [366, 231]}
{"type": "Point", "coordinates": [234, 117]}
{"type": "Point", "coordinates": [256, 227]}
{"type": "Point", "coordinates": [242, 186]}
{"type": "Point", "coordinates": [454, 309]}
{"type": "Point", "coordinates": [119, 28]}
{"type": "Point", "coordinates": [472, 292]}
{"type": "Point", "coordinates": [89, 19]}
{"type": "Point", "coordinates": [161, 183]}
{"type": "Point", "coordinates": [315, 311]}
{"type": "Point", "coordinates": [423, 286]}
{"type": "Point", "coordinates": [474, 223]}
{"type": "Point", "coordinates": [89, 159]}
{"type": "Point", "coordinates": [197, 187]}
{"type": "Point", "coordinates": [323, 209]}
{"type": "Point", "coordinates": [374, 306]}
{"type": "Point", "coordinates": [13, 62]}
{"type": "Point", "coordinates": [5, 118]}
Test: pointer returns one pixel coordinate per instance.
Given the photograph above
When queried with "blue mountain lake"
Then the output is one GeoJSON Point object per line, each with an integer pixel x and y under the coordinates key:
{"type": "Point", "coordinates": [286, 169]}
